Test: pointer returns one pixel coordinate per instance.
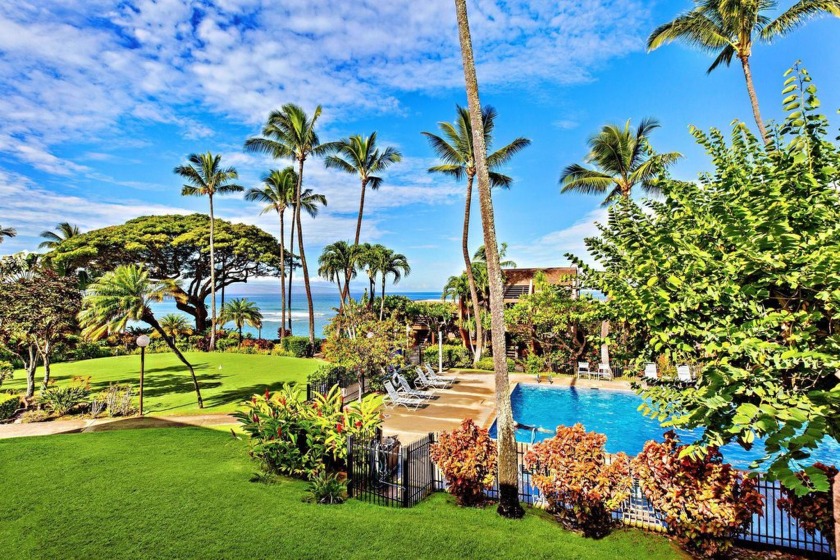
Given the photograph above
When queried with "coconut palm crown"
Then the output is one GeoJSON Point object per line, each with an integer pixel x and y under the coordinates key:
{"type": "Point", "coordinates": [241, 312]}
{"type": "Point", "coordinates": [63, 232]}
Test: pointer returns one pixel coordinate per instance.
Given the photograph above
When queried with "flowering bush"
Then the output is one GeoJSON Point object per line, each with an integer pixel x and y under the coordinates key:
{"type": "Point", "coordinates": [293, 437]}
{"type": "Point", "coordinates": [467, 457]}
{"type": "Point", "coordinates": [704, 500]}
{"type": "Point", "coordinates": [814, 511]}
{"type": "Point", "coordinates": [581, 485]}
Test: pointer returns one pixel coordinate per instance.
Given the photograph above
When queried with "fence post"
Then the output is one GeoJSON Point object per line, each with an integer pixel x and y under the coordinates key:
{"type": "Point", "coordinates": [406, 453]}
{"type": "Point", "coordinates": [308, 392]}
{"type": "Point", "coordinates": [350, 466]}
{"type": "Point", "coordinates": [432, 463]}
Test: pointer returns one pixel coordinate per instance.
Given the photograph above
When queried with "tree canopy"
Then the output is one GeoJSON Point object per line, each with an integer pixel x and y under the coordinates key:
{"type": "Point", "coordinates": [175, 248]}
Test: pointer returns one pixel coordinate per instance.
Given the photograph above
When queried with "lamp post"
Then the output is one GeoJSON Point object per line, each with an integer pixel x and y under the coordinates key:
{"type": "Point", "coordinates": [142, 342]}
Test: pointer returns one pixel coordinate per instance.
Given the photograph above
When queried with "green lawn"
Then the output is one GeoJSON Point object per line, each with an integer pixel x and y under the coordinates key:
{"type": "Point", "coordinates": [225, 379]}
{"type": "Point", "coordinates": [185, 493]}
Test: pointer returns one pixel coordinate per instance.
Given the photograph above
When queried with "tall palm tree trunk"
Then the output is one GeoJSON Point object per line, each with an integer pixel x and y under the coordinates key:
{"type": "Point", "coordinates": [479, 328]}
{"type": "Point", "coordinates": [745, 64]}
{"type": "Point", "coordinates": [382, 300]}
{"type": "Point", "coordinates": [361, 212]}
{"type": "Point", "coordinates": [291, 265]}
{"type": "Point", "coordinates": [282, 277]}
{"type": "Point", "coordinates": [212, 278]}
{"type": "Point", "coordinates": [509, 505]}
{"type": "Point", "coordinates": [150, 319]}
{"type": "Point", "coordinates": [306, 285]}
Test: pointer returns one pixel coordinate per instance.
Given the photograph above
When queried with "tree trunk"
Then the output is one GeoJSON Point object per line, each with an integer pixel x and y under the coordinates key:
{"type": "Point", "coordinates": [150, 319]}
{"type": "Point", "coordinates": [605, 349]}
{"type": "Point", "coordinates": [361, 211]}
{"type": "Point", "coordinates": [45, 359]}
{"type": "Point", "coordinates": [212, 279]}
{"type": "Point", "coordinates": [509, 505]}
{"type": "Point", "coordinates": [282, 277]}
{"type": "Point", "coordinates": [745, 64]}
{"type": "Point", "coordinates": [303, 259]}
{"type": "Point", "coordinates": [835, 494]}
{"type": "Point", "coordinates": [291, 265]}
{"type": "Point", "coordinates": [382, 300]}
{"type": "Point", "coordinates": [239, 328]}
{"type": "Point", "coordinates": [30, 367]}
{"type": "Point", "coordinates": [479, 328]}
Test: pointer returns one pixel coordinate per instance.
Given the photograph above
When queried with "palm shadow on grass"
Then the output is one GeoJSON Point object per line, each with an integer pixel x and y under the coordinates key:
{"type": "Point", "coordinates": [239, 395]}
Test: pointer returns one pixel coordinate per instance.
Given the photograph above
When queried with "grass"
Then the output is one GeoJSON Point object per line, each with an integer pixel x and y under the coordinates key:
{"type": "Point", "coordinates": [185, 493]}
{"type": "Point", "coordinates": [225, 379]}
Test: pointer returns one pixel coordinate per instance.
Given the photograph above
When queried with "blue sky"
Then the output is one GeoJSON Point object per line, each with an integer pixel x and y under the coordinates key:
{"type": "Point", "coordinates": [100, 100]}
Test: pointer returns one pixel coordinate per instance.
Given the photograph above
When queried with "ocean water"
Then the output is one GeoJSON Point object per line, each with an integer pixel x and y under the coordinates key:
{"type": "Point", "coordinates": [324, 304]}
{"type": "Point", "coordinates": [615, 414]}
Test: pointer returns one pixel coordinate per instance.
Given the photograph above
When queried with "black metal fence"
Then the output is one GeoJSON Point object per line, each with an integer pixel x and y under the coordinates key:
{"type": "Point", "coordinates": [350, 387]}
{"type": "Point", "coordinates": [385, 472]}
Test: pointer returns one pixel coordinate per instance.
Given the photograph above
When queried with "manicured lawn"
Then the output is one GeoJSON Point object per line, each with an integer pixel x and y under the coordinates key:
{"type": "Point", "coordinates": [185, 493]}
{"type": "Point", "coordinates": [225, 379]}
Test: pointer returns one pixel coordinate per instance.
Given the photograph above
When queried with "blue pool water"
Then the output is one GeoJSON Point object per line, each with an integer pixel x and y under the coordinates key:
{"type": "Point", "coordinates": [615, 414]}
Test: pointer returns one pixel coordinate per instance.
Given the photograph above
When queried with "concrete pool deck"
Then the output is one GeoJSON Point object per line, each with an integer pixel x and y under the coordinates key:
{"type": "Point", "coordinates": [474, 396]}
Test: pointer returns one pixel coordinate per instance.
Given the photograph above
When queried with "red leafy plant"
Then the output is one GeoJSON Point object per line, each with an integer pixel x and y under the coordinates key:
{"type": "Point", "coordinates": [704, 501]}
{"type": "Point", "coordinates": [467, 458]}
{"type": "Point", "coordinates": [813, 511]}
{"type": "Point", "coordinates": [582, 484]}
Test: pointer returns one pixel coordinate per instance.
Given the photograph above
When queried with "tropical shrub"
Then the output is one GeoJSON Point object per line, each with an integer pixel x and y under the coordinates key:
{"type": "Point", "coordinates": [9, 404]}
{"type": "Point", "coordinates": [328, 488]}
{"type": "Point", "coordinates": [328, 373]}
{"type": "Point", "coordinates": [534, 364]}
{"type": "Point", "coordinates": [34, 415]}
{"type": "Point", "coordinates": [704, 501]}
{"type": "Point", "coordinates": [454, 355]}
{"type": "Point", "coordinates": [118, 400]}
{"type": "Point", "coordinates": [6, 371]}
{"type": "Point", "coordinates": [258, 343]}
{"type": "Point", "coordinates": [582, 486]}
{"type": "Point", "coordinates": [293, 437]}
{"type": "Point", "coordinates": [467, 458]}
{"type": "Point", "coordinates": [60, 400]}
{"type": "Point", "coordinates": [813, 511]}
{"type": "Point", "coordinates": [298, 346]}
{"type": "Point", "coordinates": [89, 350]}
{"type": "Point", "coordinates": [487, 364]}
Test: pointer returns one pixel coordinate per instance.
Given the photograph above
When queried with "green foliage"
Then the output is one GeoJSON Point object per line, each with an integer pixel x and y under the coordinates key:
{"type": "Point", "coordinates": [9, 403]}
{"type": "Point", "coordinates": [467, 458]}
{"type": "Point", "coordinates": [581, 485]}
{"type": "Point", "coordinates": [298, 346]}
{"type": "Point", "coordinates": [6, 371]}
{"type": "Point", "coordinates": [85, 350]}
{"type": "Point", "coordinates": [740, 274]}
{"type": "Point", "coordinates": [486, 364]}
{"type": "Point", "coordinates": [704, 501]}
{"type": "Point", "coordinates": [328, 373]}
{"type": "Point", "coordinates": [61, 400]}
{"type": "Point", "coordinates": [297, 438]}
{"type": "Point", "coordinates": [34, 415]}
{"type": "Point", "coordinates": [534, 364]}
{"type": "Point", "coordinates": [813, 511]}
{"type": "Point", "coordinates": [328, 488]}
{"type": "Point", "coordinates": [454, 355]}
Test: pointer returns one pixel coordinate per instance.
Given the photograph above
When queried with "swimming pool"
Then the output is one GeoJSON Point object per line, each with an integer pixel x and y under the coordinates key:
{"type": "Point", "coordinates": [614, 414]}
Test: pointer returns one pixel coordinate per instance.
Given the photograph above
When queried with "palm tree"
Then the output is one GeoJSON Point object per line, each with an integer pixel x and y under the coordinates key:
{"type": "Point", "coordinates": [309, 203]}
{"type": "Point", "coordinates": [623, 159]}
{"type": "Point", "coordinates": [277, 194]}
{"type": "Point", "coordinates": [7, 232]}
{"type": "Point", "coordinates": [507, 475]}
{"type": "Point", "coordinates": [122, 295]}
{"type": "Point", "coordinates": [63, 232]}
{"type": "Point", "coordinates": [205, 177]}
{"type": "Point", "coordinates": [334, 262]}
{"type": "Point", "coordinates": [242, 312]}
{"type": "Point", "coordinates": [290, 133]}
{"type": "Point", "coordinates": [393, 264]}
{"type": "Point", "coordinates": [175, 326]}
{"type": "Point", "coordinates": [367, 258]}
{"type": "Point", "coordinates": [726, 27]}
{"type": "Point", "coordinates": [455, 150]}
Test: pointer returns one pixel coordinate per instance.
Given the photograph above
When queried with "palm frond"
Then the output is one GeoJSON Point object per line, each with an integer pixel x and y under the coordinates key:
{"type": "Point", "coordinates": [798, 14]}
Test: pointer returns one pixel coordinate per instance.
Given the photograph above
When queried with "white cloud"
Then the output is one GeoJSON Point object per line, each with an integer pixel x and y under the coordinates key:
{"type": "Point", "coordinates": [550, 249]}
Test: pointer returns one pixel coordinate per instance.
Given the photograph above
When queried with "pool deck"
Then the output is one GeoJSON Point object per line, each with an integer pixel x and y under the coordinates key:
{"type": "Point", "coordinates": [473, 396]}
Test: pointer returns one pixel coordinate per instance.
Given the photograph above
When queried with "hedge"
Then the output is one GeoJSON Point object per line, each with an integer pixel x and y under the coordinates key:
{"type": "Point", "coordinates": [487, 364]}
{"type": "Point", "coordinates": [8, 405]}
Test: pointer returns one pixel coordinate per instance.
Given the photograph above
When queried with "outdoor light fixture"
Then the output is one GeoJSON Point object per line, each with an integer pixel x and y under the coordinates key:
{"type": "Point", "coordinates": [142, 342]}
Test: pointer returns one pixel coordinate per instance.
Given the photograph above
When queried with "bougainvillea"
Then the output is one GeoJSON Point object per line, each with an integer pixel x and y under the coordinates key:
{"type": "Point", "coordinates": [580, 482]}
{"type": "Point", "coordinates": [298, 438]}
{"type": "Point", "coordinates": [467, 458]}
{"type": "Point", "coordinates": [704, 501]}
{"type": "Point", "coordinates": [814, 511]}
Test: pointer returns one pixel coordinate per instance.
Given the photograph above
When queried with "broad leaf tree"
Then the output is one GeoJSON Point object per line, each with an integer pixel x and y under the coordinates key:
{"type": "Point", "coordinates": [739, 273]}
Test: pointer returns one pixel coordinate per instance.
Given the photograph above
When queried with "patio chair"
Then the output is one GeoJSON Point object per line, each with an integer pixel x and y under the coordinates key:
{"type": "Point", "coordinates": [684, 374]}
{"type": "Point", "coordinates": [651, 376]}
{"type": "Point", "coordinates": [426, 383]}
{"type": "Point", "coordinates": [396, 399]}
{"type": "Point", "coordinates": [402, 386]}
{"type": "Point", "coordinates": [434, 376]}
{"type": "Point", "coordinates": [583, 370]}
{"type": "Point", "coordinates": [605, 372]}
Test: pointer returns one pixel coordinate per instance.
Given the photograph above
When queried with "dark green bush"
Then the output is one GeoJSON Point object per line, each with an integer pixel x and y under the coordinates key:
{"type": "Point", "coordinates": [8, 405]}
{"type": "Point", "coordinates": [454, 355]}
{"type": "Point", "coordinates": [328, 373]}
{"type": "Point", "coordinates": [299, 347]}
{"type": "Point", "coordinates": [487, 364]}
{"type": "Point", "coordinates": [89, 351]}
{"type": "Point", "coordinates": [6, 371]}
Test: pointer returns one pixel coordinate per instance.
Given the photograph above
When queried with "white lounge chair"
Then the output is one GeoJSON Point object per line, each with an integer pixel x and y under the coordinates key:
{"type": "Point", "coordinates": [605, 371]}
{"type": "Point", "coordinates": [402, 386]}
{"type": "Point", "coordinates": [396, 399]}
{"type": "Point", "coordinates": [434, 375]}
{"type": "Point", "coordinates": [684, 374]}
{"type": "Point", "coordinates": [650, 373]}
{"type": "Point", "coordinates": [583, 370]}
{"type": "Point", "coordinates": [424, 381]}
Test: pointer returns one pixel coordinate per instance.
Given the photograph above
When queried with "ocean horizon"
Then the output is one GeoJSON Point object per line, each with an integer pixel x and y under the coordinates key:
{"type": "Point", "coordinates": [325, 306]}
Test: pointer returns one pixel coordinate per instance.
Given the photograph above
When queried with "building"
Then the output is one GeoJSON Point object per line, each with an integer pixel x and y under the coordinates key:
{"type": "Point", "coordinates": [520, 281]}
